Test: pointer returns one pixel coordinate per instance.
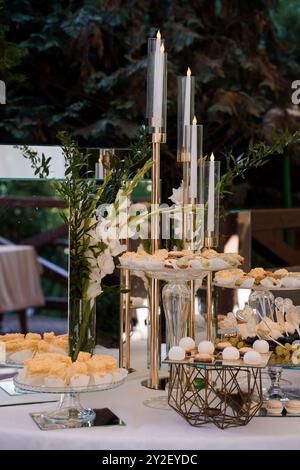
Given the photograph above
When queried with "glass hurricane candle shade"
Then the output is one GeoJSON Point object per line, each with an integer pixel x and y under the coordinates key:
{"type": "Point", "coordinates": [157, 88]}
{"type": "Point", "coordinates": [185, 114]}
{"type": "Point", "coordinates": [262, 302]}
{"type": "Point", "coordinates": [193, 148]}
{"type": "Point", "coordinates": [176, 301]}
{"type": "Point", "coordinates": [211, 201]}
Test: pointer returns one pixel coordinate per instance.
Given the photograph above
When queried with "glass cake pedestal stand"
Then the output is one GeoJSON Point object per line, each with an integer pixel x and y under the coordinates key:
{"type": "Point", "coordinates": [70, 413]}
{"type": "Point", "coordinates": [263, 299]}
{"type": "Point", "coordinates": [176, 296]}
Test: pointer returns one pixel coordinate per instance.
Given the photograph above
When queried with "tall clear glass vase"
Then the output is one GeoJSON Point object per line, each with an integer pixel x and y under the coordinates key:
{"type": "Point", "coordinates": [81, 310]}
{"type": "Point", "coordinates": [82, 326]}
{"type": "Point", "coordinates": [176, 301]}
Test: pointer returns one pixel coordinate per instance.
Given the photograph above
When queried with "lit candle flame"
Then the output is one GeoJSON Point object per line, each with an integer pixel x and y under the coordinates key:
{"type": "Point", "coordinates": [162, 48]}
{"type": "Point", "coordinates": [189, 72]}
{"type": "Point", "coordinates": [194, 121]}
{"type": "Point", "coordinates": [158, 35]}
{"type": "Point", "coordinates": [212, 157]}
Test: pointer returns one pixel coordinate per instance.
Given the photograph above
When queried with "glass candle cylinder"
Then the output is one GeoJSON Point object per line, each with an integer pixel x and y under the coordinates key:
{"type": "Point", "coordinates": [193, 149]}
{"type": "Point", "coordinates": [185, 112]}
{"type": "Point", "coordinates": [211, 200]}
{"type": "Point", "coordinates": [157, 88]}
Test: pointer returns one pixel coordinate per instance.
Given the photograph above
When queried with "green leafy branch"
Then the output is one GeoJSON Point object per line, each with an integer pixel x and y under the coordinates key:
{"type": "Point", "coordinates": [84, 194]}
{"type": "Point", "coordinates": [257, 155]}
{"type": "Point", "coordinates": [39, 164]}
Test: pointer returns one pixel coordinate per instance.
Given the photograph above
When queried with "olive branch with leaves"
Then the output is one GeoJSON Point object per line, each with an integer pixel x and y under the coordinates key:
{"type": "Point", "coordinates": [84, 194]}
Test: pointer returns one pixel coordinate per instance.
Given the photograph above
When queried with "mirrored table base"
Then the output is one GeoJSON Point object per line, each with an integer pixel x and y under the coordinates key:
{"type": "Point", "coordinates": [103, 417]}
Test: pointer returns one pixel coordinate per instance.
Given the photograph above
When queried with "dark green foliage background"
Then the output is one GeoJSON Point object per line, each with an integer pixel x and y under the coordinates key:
{"type": "Point", "coordinates": [84, 67]}
{"type": "Point", "coordinates": [80, 66]}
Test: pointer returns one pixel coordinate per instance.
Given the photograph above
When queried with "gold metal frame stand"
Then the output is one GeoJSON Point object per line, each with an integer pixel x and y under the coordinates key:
{"type": "Point", "coordinates": [221, 401]}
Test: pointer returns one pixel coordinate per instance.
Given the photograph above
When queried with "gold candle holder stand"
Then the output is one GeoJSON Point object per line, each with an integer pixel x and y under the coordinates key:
{"type": "Point", "coordinates": [209, 242]}
{"type": "Point", "coordinates": [155, 382]}
{"type": "Point", "coordinates": [188, 220]}
{"type": "Point", "coordinates": [125, 316]}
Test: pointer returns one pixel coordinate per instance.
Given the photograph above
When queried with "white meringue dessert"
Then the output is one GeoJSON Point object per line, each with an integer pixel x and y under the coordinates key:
{"type": "Point", "coordinates": [187, 343]}
{"type": "Point", "coordinates": [206, 347]}
{"type": "Point", "coordinates": [176, 353]}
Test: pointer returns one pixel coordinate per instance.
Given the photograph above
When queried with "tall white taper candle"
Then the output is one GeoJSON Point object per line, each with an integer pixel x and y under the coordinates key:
{"type": "Point", "coordinates": [211, 196]}
{"type": "Point", "coordinates": [158, 81]}
{"type": "Point", "coordinates": [194, 158]}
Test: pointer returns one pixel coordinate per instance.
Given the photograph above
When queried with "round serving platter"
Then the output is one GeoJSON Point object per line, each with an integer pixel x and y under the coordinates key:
{"type": "Point", "coordinates": [168, 274]}
{"type": "Point", "coordinates": [12, 365]}
{"type": "Point", "coordinates": [43, 389]}
{"type": "Point", "coordinates": [256, 288]}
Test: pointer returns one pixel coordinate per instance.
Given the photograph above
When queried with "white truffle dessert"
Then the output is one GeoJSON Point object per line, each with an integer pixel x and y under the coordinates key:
{"type": "Point", "coordinates": [187, 343]}
{"type": "Point", "coordinates": [261, 346]}
{"type": "Point", "coordinates": [230, 354]}
{"type": "Point", "coordinates": [253, 358]}
{"type": "Point", "coordinates": [176, 353]}
{"type": "Point", "coordinates": [206, 347]}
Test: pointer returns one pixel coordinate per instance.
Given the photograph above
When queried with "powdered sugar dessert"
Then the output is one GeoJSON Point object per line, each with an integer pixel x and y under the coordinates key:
{"type": "Point", "coordinates": [57, 371]}
{"type": "Point", "coordinates": [18, 347]}
{"type": "Point", "coordinates": [258, 277]}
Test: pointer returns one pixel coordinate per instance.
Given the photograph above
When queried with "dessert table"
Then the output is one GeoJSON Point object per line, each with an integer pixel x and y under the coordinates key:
{"type": "Point", "coordinates": [20, 285]}
{"type": "Point", "coordinates": [146, 428]}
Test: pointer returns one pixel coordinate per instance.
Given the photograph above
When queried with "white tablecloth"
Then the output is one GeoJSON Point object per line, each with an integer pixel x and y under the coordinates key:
{"type": "Point", "coordinates": [20, 286]}
{"type": "Point", "coordinates": [145, 428]}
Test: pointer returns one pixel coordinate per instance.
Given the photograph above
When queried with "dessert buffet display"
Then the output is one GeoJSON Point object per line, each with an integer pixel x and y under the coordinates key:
{"type": "Point", "coordinates": [281, 333]}
{"type": "Point", "coordinates": [56, 373]}
{"type": "Point", "coordinates": [16, 347]}
{"type": "Point", "coordinates": [258, 278]}
{"type": "Point", "coordinates": [238, 355]}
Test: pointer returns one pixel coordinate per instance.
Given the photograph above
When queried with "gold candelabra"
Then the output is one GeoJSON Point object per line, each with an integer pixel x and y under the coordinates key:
{"type": "Point", "coordinates": [188, 223]}
{"type": "Point", "coordinates": [154, 381]}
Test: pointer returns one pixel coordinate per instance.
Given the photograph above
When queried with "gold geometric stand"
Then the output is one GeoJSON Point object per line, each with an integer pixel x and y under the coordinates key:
{"type": "Point", "coordinates": [214, 395]}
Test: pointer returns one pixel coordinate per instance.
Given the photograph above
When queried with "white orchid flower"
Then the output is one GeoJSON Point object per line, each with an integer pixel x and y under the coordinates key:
{"type": "Point", "coordinates": [94, 290]}
{"type": "Point", "coordinates": [177, 195]}
{"type": "Point", "coordinates": [106, 264]}
{"type": "Point", "coordinates": [115, 248]}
